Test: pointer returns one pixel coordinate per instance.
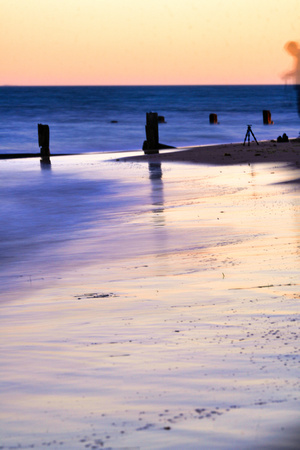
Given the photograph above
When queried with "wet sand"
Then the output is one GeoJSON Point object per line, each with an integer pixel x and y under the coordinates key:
{"type": "Point", "coordinates": [167, 320]}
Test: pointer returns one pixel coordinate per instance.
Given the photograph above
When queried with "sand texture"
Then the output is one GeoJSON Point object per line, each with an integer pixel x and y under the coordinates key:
{"type": "Point", "coordinates": [151, 305]}
{"type": "Point", "coordinates": [227, 154]}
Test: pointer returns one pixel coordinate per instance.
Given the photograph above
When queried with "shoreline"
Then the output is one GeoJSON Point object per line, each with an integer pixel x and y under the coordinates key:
{"type": "Point", "coordinates": [212, 154]}
{"type": "Point", "coordinates": [28, 155]}
{"type": "Point", "coordinates": [228, 154]}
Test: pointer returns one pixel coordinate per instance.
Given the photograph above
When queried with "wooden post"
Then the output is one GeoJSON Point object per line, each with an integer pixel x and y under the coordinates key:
{"type": "Point", "coordinates": [267, 117]}
{"type": "Point", "coordinates": [213, 118]}
{"type": "Point", "coordinates": [151, 144]}
{"type": "Point", "coordinates": [44, 138]}
{"type": "Point", "coordinates": [161, 119]}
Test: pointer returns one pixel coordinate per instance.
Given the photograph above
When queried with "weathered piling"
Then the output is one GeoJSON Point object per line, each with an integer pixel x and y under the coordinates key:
{"type": "Point", "coordinates": [267, 117]}
{"type": "Point", "coordinates": [213, 118]}
{"type": "Point", "coordinates": [44, 138]}
{"type": "Point", "coordinates": [151, 144]}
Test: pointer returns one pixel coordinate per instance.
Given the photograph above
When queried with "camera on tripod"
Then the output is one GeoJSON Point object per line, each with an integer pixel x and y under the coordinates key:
{"type": "Point", "coordinates": [249, 130]}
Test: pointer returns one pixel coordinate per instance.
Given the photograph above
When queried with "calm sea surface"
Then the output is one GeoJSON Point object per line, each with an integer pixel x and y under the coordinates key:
{"type": "Point", "coordinates": [90, 119]}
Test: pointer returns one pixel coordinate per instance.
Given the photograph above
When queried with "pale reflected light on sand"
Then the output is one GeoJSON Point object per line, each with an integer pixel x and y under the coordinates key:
{"type": "Point", "coordinates": [159, 308]}
{"type": "Point", "coordinates": [157, 192]}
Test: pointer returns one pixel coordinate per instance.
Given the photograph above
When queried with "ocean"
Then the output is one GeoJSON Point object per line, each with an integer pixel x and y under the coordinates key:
{"type": "Point", "coordinates": [112, 118]}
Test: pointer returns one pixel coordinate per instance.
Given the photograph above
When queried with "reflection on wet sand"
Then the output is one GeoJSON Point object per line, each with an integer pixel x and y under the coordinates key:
{"type": "Point", "coordinates": [157, 194]}
{"type": "Point", "coordinates": [45, 165]}
{"type": "Point", "coordinates": [111, 349]}
{"type": "Point", "coordinates": [158, 214]}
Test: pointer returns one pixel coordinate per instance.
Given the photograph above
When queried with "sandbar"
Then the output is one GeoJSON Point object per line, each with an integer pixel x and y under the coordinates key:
{"type": "Point", "coordinates": [229, 154]}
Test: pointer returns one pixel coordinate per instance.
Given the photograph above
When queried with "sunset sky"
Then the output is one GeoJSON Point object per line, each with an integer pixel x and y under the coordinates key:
{"type": "Point", "coordinates": [120, 42]}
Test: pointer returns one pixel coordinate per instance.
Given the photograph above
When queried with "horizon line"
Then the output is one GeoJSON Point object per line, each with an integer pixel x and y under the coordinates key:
{"type": "Point", "coordinates": [142, 85]}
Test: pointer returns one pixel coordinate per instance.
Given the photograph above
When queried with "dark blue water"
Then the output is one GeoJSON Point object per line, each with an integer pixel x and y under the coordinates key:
{"type": "Point", "coordinates": [80, 118]}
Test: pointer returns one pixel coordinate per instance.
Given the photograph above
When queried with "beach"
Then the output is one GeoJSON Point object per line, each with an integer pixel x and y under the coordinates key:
{"type": "Point", "coordinates": [151, 301]}
{"type": "Point", "coordinates": [236, 153]}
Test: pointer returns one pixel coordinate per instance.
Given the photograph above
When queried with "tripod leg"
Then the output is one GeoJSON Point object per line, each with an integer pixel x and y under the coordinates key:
{"type": "Point", "coordinates": [245, 137]}
{"type": "Point", "coordinates": [254, 137]}
{"type": "Point", "coordinates": [248, 137]}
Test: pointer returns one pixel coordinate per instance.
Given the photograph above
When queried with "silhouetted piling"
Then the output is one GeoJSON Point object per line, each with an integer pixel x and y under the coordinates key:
{"type": "Point", "coordinates": [44, 138]}
{"type": "Point", "coordinates": [151, 144]}
{"type": "Point", "coordinates": [213, 118]}
{"type": "Point", "coordinates": [267, 117]}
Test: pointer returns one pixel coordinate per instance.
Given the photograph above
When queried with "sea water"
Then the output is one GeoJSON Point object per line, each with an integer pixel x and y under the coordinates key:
{"type": "Point", "coordinates": [112, 118]}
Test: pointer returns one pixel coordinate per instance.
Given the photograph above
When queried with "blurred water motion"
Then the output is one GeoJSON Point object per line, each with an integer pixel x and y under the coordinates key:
{"type": "Point", "coordinates": [80, 118]}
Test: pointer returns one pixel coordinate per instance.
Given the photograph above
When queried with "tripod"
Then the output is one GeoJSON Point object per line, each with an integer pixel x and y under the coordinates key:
{"type": "Point", "coordinates": [248, 135]}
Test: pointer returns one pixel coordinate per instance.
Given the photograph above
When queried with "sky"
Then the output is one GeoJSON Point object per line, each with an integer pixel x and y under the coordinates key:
{"type": "Point", "coordinates": [146, 42]}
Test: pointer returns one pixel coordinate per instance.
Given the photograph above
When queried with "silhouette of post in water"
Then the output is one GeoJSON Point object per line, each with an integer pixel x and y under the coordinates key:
{"type": "Point", "coordinates": [248, 135]}
{"type": "Point", "coordinates": [151, 145]}
{"type": "Point", "coordinates": [44, 138]}
{"type": "Point", "coordinates": [213, 119]}
{"type": "Point", "coordinates": [267, 117]}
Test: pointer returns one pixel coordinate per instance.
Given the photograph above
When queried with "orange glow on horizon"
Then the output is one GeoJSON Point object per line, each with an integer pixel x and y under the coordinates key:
{"type": "Point", "coordinates": [136, 42]}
